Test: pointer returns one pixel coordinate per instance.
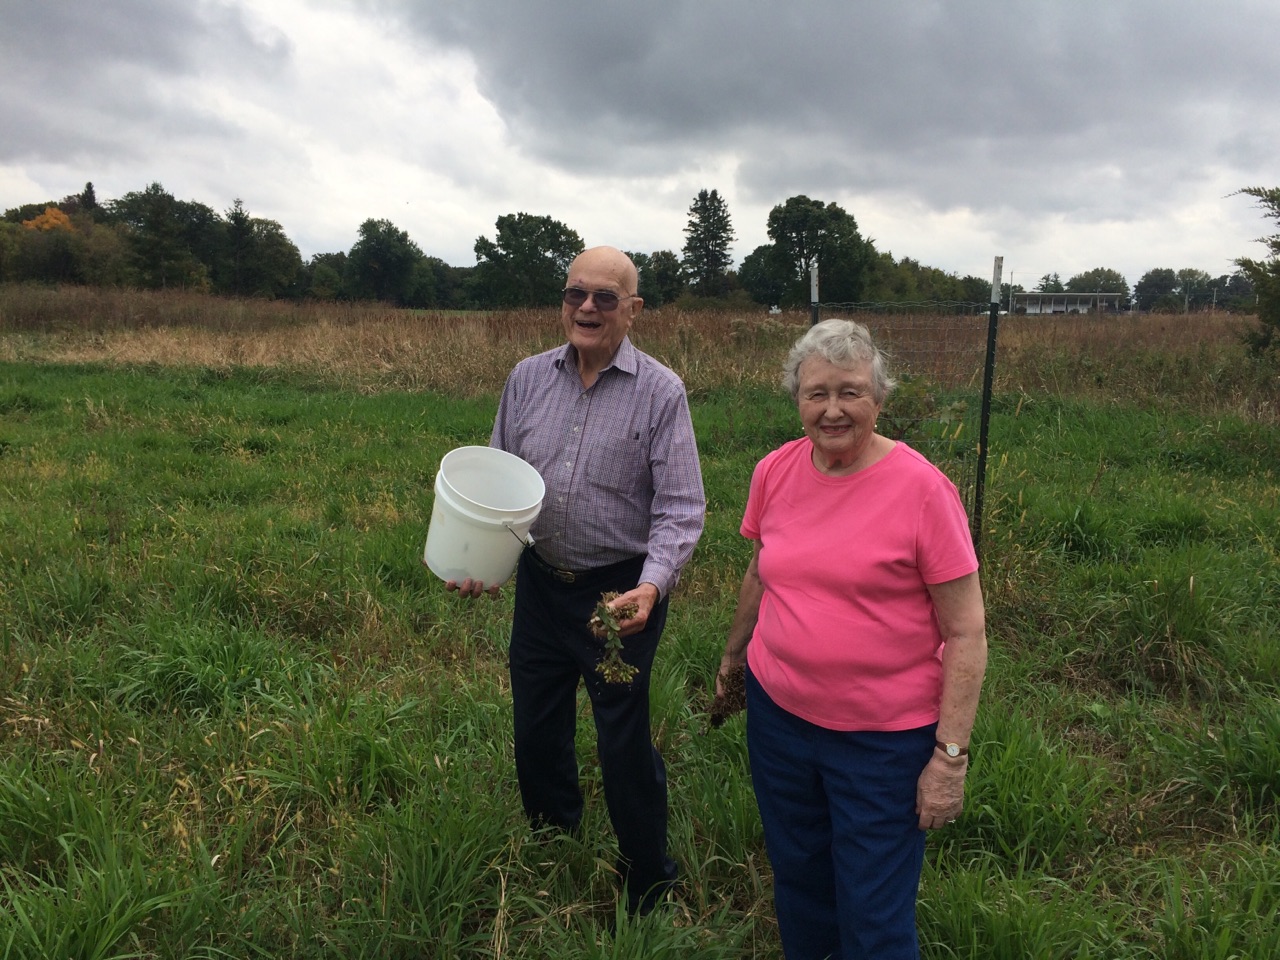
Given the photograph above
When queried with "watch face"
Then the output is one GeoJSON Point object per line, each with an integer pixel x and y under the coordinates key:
{"type": "Point", "coordinates": [953, 750]}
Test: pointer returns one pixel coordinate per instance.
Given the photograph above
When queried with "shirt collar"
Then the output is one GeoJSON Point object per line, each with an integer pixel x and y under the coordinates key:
{"type": "Point", "coordinates": [624, 358]}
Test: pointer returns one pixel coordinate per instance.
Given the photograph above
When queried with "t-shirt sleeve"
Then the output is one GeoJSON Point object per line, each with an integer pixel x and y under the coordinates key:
{"type": "Point", "coordinates": [946, 545]}
{"type": "Point", "coordinates": [755, 500]}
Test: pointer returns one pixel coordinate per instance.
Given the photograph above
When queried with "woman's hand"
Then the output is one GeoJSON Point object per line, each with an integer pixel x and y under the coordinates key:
{"type": "Point", "coordinates": [728, 662]}
{"type": "Point", "coordinates": [940, 790]}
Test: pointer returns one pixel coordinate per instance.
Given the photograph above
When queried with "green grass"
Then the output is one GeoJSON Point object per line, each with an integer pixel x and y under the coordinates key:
{"type": "Point", "coordinates": [239, 718]}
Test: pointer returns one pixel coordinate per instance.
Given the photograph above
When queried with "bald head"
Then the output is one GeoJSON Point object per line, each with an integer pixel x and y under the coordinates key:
{"type": "Point", "coordinates": [608, 261]}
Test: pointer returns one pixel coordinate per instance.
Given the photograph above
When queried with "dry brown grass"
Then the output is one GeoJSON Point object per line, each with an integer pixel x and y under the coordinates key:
{"type": "Point", "coordinates": [1195, 360]}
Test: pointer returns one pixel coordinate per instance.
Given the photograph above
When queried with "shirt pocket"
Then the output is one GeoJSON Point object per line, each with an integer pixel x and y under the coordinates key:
{"type": "Point", "coordinates": [620, 465]}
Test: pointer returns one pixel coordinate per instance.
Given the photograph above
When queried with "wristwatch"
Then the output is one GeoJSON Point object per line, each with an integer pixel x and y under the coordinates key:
{"type": "Point", "coordinates": [952, 750]}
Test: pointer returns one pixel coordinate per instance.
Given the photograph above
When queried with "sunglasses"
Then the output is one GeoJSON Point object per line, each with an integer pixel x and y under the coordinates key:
{"type": "Point", "coordinates": [604, 300]}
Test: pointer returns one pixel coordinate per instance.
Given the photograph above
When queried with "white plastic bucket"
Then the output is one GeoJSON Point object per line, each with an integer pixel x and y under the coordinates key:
{"type": "Point", "coordinates": [486, 500]}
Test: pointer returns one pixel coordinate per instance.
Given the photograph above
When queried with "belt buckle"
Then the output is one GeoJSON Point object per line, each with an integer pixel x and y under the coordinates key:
{"type": "Point", "coordinates": [564, 576]}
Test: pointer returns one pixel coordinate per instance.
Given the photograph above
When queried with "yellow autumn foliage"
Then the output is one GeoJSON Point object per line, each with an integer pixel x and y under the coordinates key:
{"type": "Point", "coordinates": [51, 219]}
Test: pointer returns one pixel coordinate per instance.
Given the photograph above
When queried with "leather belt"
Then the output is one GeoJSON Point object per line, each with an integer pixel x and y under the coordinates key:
{"type": "Point", "coordinates": [564, 576]}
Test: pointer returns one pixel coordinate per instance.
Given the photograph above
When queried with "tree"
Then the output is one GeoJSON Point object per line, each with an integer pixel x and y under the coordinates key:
{"type": "Point", "coordinates": [527, 263]}
{"type": "Point", "coordinates": [162, 232]}
{"type": "Point", "coordinates": [86, 201]}
{"type": "Point", "coordinates": [1265, 277]}
{"type": "Point", "coordinates": [667, 276]}
{"type": "Point", "coordinates": [708, 236]}
{"type": "Point", "coordinates": [46, 249]}
{"type": "Point", "coordinates": [1051, 283]}
{"type": "Point", "coordinates": [257, 259]}
{"type": "Point", "coordinates": [433, 284]}
{"type": "Point", "coordinates": [10, 245]}
{"type": "Point", "coordinates": [1099, 280]}
{"type": "Point", "coordinates": [1155, 291]}
{"type": "Point", "coordinates": [275, 269]}
{"type": "Point", "coordinates": [322, 276]}
{"type": "Point", "coordinates": [661, 277]}
{"type": "Point", "coordinates": [804, 231]}
{"type": "Point", "coordinates": [52, 219]}
{"type": "Point", "coordinates": [1234, 293]}
{"type": "Point", "coordinates": [381, 264]}
{"type": "Point", "coordinates": [1195, 287]}
{"type": "Point", "coordinates": [239, 249]}
{"type": "Point", "coordinates": [766, 274]}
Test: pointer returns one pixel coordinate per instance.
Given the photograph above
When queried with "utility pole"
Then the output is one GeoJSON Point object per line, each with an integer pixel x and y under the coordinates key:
{"type": "Point", "coordinates": [813, 293]}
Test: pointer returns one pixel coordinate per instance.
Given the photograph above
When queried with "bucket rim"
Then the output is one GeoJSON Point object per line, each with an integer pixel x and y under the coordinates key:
{"type": "Point", "coordinates": [516, 514]}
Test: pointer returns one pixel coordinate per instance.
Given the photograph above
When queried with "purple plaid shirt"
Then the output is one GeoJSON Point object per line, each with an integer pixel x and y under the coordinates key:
{"type": "Point", "coordinates": [619, 461]}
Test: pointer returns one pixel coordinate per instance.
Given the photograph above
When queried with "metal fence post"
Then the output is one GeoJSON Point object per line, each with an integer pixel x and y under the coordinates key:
{"type": "Point", "coordinates": [988, 379]}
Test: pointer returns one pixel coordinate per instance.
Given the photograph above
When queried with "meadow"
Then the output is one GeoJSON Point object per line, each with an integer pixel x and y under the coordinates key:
{"type": "Point", "coordinates": [239, 718]}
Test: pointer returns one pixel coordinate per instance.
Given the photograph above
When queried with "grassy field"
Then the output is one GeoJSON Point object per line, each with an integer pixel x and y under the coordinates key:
{"type": "Point", "coordinates": [239, 718]}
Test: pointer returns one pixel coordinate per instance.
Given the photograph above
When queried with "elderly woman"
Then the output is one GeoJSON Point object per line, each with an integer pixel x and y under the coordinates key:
{"type": "Point", "coordinates": [860, 620]}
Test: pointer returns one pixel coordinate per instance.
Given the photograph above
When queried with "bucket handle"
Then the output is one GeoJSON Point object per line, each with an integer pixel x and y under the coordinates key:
{"type": "Point", "coordinates": [526, 541]}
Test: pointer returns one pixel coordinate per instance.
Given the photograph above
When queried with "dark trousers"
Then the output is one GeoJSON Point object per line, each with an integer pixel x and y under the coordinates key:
{"type": "Point", "coordinates": [838, 811]}
{"type": "Point", "coordinates": [552, 651]}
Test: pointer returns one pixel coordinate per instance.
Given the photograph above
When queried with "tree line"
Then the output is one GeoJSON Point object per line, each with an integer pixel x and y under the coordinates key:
{"type": "Point", "coordinates": [1161, 290]}
{"type": "Point", "coordinates": [150, 239]}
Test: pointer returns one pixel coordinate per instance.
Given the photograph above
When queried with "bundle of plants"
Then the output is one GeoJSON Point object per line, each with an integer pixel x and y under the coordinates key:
{"type": "Point", "coordinates": [604, 626]}
{"type": "Point", "coordinates": [731, 697]}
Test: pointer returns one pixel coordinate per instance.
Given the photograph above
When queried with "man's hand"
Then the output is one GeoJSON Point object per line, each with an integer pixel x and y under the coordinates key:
{"type": "Point", "coordinates": [644, 597]}
{"type": "Point", "coordinates": [471, 588]}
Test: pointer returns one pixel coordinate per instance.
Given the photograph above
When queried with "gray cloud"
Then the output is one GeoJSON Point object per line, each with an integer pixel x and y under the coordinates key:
{"type": "Point", "coordinates": [1072, 131]}
{"type": "Point", "coordinates": [968, 104]}
{"type": "Point", "coordinates": [88, 80]}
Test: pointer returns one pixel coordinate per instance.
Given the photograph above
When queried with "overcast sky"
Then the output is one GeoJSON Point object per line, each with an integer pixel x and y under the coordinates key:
{"type": "Point", "coordinates": [1061, 134]}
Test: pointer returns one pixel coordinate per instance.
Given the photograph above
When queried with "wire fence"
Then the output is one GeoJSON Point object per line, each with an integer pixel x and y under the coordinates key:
{"type": "Point", "coordinates": [942, 353]}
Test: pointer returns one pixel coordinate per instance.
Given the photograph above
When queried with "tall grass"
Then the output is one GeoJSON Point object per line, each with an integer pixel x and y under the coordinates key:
{"type": "Point", "coordinates": [239, 718]}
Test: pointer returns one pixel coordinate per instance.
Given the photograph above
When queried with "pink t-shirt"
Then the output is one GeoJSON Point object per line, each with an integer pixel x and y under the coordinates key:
{"type": "Point", "coordinates": [847, 637]}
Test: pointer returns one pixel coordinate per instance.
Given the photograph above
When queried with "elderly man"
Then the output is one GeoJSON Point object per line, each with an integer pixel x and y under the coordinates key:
{"type": "Point", "coordinates": [608, 428]}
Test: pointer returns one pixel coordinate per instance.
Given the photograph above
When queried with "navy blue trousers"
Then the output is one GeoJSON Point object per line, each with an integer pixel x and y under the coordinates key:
{"type": "Point", "coordinates": [552, 651]}
{"type": "Point", "coordinates": [838, 811]}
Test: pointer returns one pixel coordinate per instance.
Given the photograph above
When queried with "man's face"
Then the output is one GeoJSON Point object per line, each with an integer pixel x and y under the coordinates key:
{"type": "Point", "coordinates": [596, 332]}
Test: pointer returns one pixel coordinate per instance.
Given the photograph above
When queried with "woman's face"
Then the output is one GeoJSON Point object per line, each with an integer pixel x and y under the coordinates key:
{"type": "Point", "coordinates": [837, 411]}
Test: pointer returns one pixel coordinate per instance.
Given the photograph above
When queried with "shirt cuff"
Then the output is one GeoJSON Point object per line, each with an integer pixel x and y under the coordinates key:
{"type": "Point", "coordinates": [662, 577]}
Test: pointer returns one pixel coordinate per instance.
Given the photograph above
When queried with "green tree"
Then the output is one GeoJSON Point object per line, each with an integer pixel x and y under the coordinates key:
{"type": "Point", "coordinates": [767, 274]}
{"type": "Point", "coordinates": [275, 267]}
{"type": "Point", "coordinates": [86, 202]}
{"type": "Point", "coordinates": [10, 244]}
{"type": "Point", "coordinates": [46, 250]}
{"type": "Point", "coordinates": [661, 277]}
{"type": "Point", "coordinates": [382, 263]}
{"type": "Point", "coordinates": [1051, 283]}
{"type": "Point", "coordinates": [322, 276]}
{"type": "Point", "coordinates": [667, 274]}
{"type": "Point", "coordinates": [164, 236]}
{"type": "Point", "coordinates": [1155, 290]}
{"type": "Point", "coordinates": [434, 284]}
{"type": "Point", "coordinates": [1099, 280]}
{"type": "Point", "coordinates": [804, 231]}
{"type": "Point", "coordinates": [708, 237]}
{"type": "Point", "coordinates": [239, 251]}
{"type": "Point", "coordinates": [526, 264]}
{"type": "Point", "coordinates": [1234, 292]}
{"type": "Point", "coordinates": [102, 252]}
{"type": "Point", "coordinates": [1194, 287]}
{"type": "Point", "coordinates": [1264, 277]}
